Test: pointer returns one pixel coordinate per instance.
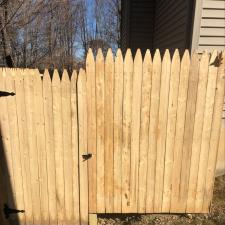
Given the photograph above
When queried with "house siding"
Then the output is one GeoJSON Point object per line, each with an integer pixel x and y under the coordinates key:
{"type": "Point", "coordinates": [211, 26]}
{"type": "Point", "coordinates": [173, 22]}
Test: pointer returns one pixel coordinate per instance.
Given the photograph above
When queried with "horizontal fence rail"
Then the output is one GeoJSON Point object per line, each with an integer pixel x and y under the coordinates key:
{"type": "Point", "coordinates": [124, 136]}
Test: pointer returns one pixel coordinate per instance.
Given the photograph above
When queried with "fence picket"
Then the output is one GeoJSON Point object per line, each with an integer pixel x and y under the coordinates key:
{"type": "Point", "coordinates": [82, 123]}
{"type": "Point", "coordinates": [215, 131]}
{"type": "Point", "coordinates": [109, 86]}
{"type": "Point", "coordinates": [40, 138]}
{"type": "Point", "coordinates": [171, 130]}
{"type": "Point", "coordinates": [91, 129]}
{"type": "Point", "coordinates": [197, 133]}
{"type": "Point", "coordinates": [181, 109]}
{"type": "Point", "coordinates": [32, 142]}
{"type": "Point", "coordinates": [67, 150]}
{"type": "Point", "coordinates": [189, 128]}
{"type": "Point", "coordinates": [152, 151]}
{"type": "Point", "coordinates": [135, 130]}
{"type": "Point", "coordinates": [58, 146]}
{"type": "Point", "coordinates": [118, 119]}
{"type": "Point", "coordinates": [127, 100]}
{"type": "Point", "coordinates": [144, 131]}
{"type": "Point", "coordinates": [49, 145]}
{"type": "Point", "coordinates": [100, 135]}
{"type": "Point", "coordinates": [74, 148]}
{"type": "Point", "coordinates": [161, 130]}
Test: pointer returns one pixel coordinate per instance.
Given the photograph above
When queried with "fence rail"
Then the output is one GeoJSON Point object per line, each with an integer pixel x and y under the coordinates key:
{"type": "Point", "coordinates": [125, 136]}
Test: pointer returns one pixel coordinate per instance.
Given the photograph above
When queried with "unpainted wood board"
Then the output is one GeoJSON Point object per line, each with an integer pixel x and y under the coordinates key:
{"type": "Point", "coordinates": [49, 145]}
{"type": "Point", "coordinates": [188, 131]}
{"type": "Point", "coordinates": [135, 130]}
{"type": "Point", "coordinates": [144, 131]}
{"type": "Point", "coordinates": [40, 140]}
{"type": "Point", "coordinates": [162, 130]}
{"type": "Point", "coordinates": [91, 129]}
{"type": "Point", "coordinates": [208, 112]}
{"type": "Point", "coordinates": [67, 146]}
{"type": "Point", "coordinates": [4, 169]}
{"type": "Point", "coordinates": [154, 115]}
{"type": "Point", "coordinates": [127, 101]}
{"type": "Point", "coordinates": [197, 133]}
{"type": "Point", "coordinates": [171, 130]}
{"type": "Point", "coordinates": [75, 150]}
{"type": "Point", "coordinates": [58, 147]}
{"type": "Point", "coordinates": [117, 129]}
{"type": "Point", "coordinates": [23, 141]}
{"type": "Point", "coordinates": [180, 121]}
{"type": "Point", "coordinates": [100, 135]}
{"type": "Point", "coordinates": [109, 151]}
{"type": "Point", "coordinates": [14, 139]}
{"type": "Point", "coordinates": [82, 124]}
{"type": "Point", "coordinates": [214, 136]}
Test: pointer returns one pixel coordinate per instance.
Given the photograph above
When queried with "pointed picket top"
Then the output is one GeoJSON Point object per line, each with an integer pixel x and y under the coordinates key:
{"type": "Point", "coordinates": [46, 76]}
{"type": "Point", "coordinates": [65, 76]}
{"type": "Point", "coordinates": [109, 55]}
{"type": "Point", "coordinates": [99, 56]}
{"type": "Point", "coordinates": [157, 57]}
{"type": "Point", "coordinates": [204, 63]}
{"type": "Point", "coordinates": [147, 57]}
{"type": "Point", "coordinates": [74, 76]}
{"type": "Point", "coordinates": [166, 57]}
{"type": "Point", "coordinates": [176, 56]}
{"type": "Point", "coordinates": [119, 53]}
{"type": "Point", "coordinates": [90, 57]}
{"type": "Point", "coordinates": [138, 56]}
{"type": "Point", "coordinates": [55, 78]}
{"type": "Point", "coordinates": [128, 58]}
{"type": "Point", "coordinates": [186, 58]}
{"type": "Point", "coordinates": [81, 75]}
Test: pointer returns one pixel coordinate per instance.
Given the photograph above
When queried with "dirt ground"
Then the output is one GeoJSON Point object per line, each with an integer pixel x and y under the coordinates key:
{"type": "Point", "coordinates": [216, 216]}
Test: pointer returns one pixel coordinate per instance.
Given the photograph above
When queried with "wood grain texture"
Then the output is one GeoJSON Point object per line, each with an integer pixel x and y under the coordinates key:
{"type": "Point", "coordinates": [188, 130]}
{"type": "Point", "coordinates": [127, 102]}
{"type": "Point", "coordinates": [42, 155]}
{"type": "Point", "coordinates": [82, 124]}
{"type": "Point", "coordinates": [135, 130]}
{"type": "Point", "coordinates": [117, 129]}
{"type": "Point", "coordinates": [100, 135]}
{"type": "Point", "coordinates": [197, 133]}
{"type": "Point", "coordinates": [154, 115]}
{"type": "Point", "coordinates": [75, 149]}
{"type": "Point", "coordinates": [108, 144]}
{"type": "Point", "coordinates": [58, 146]}
{"type": "Point", "coordinates": [91, 129]}
{"type": "Point", "coordinates": [67, 144]}
{"type": "Point", "coordinates": [161, 131]}
{"type": "Point", "coordinates": [171, 130]}
{"type": "Point", "coordinates": [180, 121]}
{"type": "Point", "coordinates": [144, 131]}
{"type": "Point", "coordinates": [214, 136]}
{"type": "Point", "coordinates": [49, 146]}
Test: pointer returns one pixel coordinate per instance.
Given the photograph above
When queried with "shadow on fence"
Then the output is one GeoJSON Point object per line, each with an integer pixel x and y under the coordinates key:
{"type": "Point", "coordinates": [7, 201]}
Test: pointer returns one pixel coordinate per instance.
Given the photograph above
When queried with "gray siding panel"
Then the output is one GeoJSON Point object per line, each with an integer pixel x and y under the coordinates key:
{"type": "Point", "coordinates": [173, 19]}
{"type": "Point", "coordinates": [212, 26]}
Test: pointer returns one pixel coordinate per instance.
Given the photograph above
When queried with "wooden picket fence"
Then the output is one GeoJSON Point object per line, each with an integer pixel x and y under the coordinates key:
{"type": "Point", "coordinates": [124, 136]}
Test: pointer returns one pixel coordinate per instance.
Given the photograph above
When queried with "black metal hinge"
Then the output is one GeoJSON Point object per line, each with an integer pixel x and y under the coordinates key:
{"type": "Point", "coordinates": [8, 211]}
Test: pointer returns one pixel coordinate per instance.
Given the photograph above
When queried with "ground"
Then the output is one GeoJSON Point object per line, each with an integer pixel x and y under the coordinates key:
{"type": "Point", "coordinates": [216, 216]}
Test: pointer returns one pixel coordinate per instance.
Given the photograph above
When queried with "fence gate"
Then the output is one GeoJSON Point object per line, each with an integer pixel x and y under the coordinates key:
{"type": "Point", "coordinates": [124, 136]}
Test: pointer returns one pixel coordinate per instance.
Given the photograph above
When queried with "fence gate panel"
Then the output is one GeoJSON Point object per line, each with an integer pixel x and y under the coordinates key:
{"type": "Point", "coordinates": [126, 135]}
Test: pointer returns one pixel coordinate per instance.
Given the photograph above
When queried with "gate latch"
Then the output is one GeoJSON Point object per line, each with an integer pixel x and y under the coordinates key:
{"type": "Point", "coordinates": [8, 211]}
